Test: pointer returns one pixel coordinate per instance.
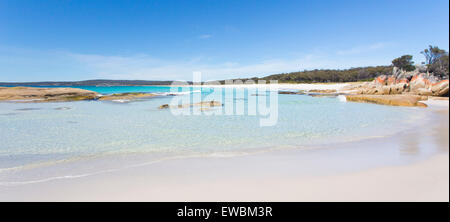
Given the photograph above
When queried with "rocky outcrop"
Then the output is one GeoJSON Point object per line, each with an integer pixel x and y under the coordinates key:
{"type": "Point", "coordinates": [401, 82]}
{"type": "Point", "coordinates": [300, 92]}
{"type": "Point", "coordinates": [164, 106]}
{"type": "Point", "coordinates": [203, 105]}
{"type": "Point", "coordinates": [34, 94]}
{"type": "Point", "coordinates": [126, 96]}
{"type": "Point", "coordinates": [440, 88]}
{"type": "Point", "coordinates": [325, 91]}
{"type": "Point", "coordinates": [392, 100]}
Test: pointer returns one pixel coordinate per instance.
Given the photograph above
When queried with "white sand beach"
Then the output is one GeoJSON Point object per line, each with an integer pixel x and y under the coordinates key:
{"type": "Point", "coordinates": [280, 86]}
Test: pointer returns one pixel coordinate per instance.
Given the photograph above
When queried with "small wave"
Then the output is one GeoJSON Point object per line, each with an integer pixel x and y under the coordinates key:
{"type": "Point", "coordinates": [42, 180]}
{"type": "Point", "coordinates": [178, 157]}
{"type": "Point", "coordinates": [342, 98]}
{"type": "Point", "coordinates": [177, 93]}
{"type": "Point", "coordinates": [121, 100]}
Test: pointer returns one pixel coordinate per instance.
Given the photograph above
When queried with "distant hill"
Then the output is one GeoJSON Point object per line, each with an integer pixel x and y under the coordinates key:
{"type": "Point", "coordinates": [94, 82]}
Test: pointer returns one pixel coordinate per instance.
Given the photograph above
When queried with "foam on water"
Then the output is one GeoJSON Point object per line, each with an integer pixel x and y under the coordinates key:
{"type": "Point", "coordinates": [342, 98]}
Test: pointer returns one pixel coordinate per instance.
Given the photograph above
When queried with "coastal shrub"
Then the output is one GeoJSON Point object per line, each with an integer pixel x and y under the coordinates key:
{"type": "Point", "coordinates": [436, 60]}
{"type": "Point", "coordinates": [404, 62]}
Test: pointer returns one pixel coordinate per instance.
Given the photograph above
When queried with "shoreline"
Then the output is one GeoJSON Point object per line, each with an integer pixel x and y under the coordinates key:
{"type": "Point", "coordinates": [401, 167]}
{"type": "Point", "coordinates": [70, 94]}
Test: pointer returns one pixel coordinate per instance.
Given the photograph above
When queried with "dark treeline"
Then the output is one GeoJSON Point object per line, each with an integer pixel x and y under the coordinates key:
{"type": "Point", "coordinates": [329, 75]}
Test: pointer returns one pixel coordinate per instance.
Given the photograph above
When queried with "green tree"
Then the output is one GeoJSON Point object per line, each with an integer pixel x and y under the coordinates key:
{"type": "Point", "coordinates": [440, 67]}
{"type": "Point", "coordinates": [432, 54]}
{"type": "Point", "coordinates": [404, 62]}
{"type": "Point", "coordinates": [437, 61]}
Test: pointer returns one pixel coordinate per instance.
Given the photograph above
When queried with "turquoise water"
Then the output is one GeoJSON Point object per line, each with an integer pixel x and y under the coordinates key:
{"type": "Point", "coordinates": [35, 134]}
{"type": "Point", "coordinates": [118, 89]}
{"type": "Point", "coordinates": [123, 89]}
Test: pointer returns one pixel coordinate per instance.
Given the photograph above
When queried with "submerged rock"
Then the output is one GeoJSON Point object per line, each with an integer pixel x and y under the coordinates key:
{"type": "Point", "coordinates": [324, 91]}
{"type": "Point", "coordinates": [204, 105]}
{"type": "Point", "coordinates": [324, 95]}
{"type": "Point", "coordinates": [164, 106]}
{"type": "Point", "coordinates": [392, 100]}
{"type": "Point", "coordinates": [126, 96]}
{"type": "Point", "coordinates": [301, 92]}
{"type": "Point", "coordinates": [331, 93]}
{"type": "Point", "coordinates": [27, 109]}
{"type": "Point", "coordinates": [62, 108]}
{"type": "Point", "coordinates": [9, 114]}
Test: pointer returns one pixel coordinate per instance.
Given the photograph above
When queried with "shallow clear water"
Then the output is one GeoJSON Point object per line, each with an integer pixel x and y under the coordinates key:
{"type": "Point", "coordinates": [32, 133]}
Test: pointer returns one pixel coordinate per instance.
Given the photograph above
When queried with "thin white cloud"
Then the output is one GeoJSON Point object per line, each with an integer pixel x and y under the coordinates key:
{"type": "Point", "coordinates": [205, 36]}
{"type": "Point", "coordinates": [26, 65]}
{"type": "Point", "coordinates": [148, 68]}
{"type": "Point", "coordinates": [362, 49]}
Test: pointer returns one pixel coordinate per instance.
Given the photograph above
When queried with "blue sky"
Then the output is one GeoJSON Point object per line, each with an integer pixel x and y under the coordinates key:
{"type": "Point", "coordinates": [156, 40]}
